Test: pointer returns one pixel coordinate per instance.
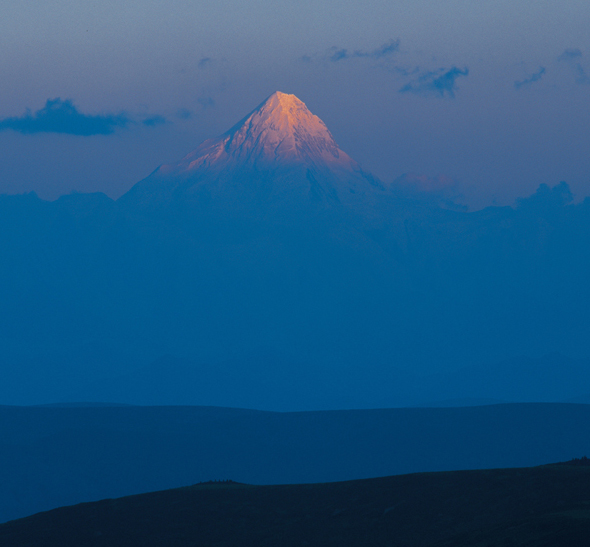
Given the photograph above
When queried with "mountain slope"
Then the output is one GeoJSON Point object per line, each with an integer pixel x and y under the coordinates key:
{"type": "Point", "coordinates": [278, 153]}
{"type": "Point", "coordinates": [543, 506]}
{"type": "Point", "coordinates": [280, 130]}
{"type": "Point", "coordinates": [52, 456]}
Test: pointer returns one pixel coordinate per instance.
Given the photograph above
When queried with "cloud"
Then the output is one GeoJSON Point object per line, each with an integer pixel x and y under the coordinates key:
{"type": "Point", "coordinates": [582, 77]}
{"type": "Point", "coordinates": [206, 102]}
{"type": "Point", "coordinates": [205, 62]}
{"type": "Point", "coordinates": [441, 82]}
{"type": "Point", "coordinates": [404, 71]}
{"type": "Point", "coordinates": [547, 198]}
{"type": "Point", "coordinates": [390, 47]}
{"type": "Point", "coordinates": [339, 55]}
{"type": "Point", "coordinates": [184, 114]}
{"type": "Point", "coordinates": [572, 57]}
{"type": "Point", "coordinates": [383, 51]}
{"type": "Point", "coordinates": [154, 120]}
{"type": "Point", "coordinates": [531, 79]}
{"type": "Point", "coordinates": [570, 54]}
{"type": "Point", "coordinates": [59, 116]}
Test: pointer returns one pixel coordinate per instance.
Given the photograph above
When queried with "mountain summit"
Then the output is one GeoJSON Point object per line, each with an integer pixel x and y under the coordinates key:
{"type": "Point", "coordinates": [278, 152]}
{"type": "Point", "coordinates": [281, 130]}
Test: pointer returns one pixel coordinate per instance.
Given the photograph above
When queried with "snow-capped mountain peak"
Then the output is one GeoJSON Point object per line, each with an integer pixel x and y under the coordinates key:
{"type": "Point", "coordinates": [280, 153]}
{"type": "Point", "coordinates": [281, 130]}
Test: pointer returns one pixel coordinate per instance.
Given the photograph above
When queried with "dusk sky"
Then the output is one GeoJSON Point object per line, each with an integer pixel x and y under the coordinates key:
{"type": "Point", "coordinates": [494, 95]}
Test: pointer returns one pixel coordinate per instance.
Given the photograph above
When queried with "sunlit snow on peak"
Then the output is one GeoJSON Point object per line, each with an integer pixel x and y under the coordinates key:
{"type": "Point", "coordinates": [281, 130]}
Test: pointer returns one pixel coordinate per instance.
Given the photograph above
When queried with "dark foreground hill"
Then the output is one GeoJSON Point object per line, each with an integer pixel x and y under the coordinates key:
{"type": "Point", "coordinates": [541, 506]}
{"type": "Point", "coordinates": [56, 456]}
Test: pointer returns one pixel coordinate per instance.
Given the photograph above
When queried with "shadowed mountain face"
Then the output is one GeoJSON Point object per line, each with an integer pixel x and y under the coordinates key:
{"type": "Point", "coordinates": [535, 507]}
{"type": "Point", "coordinates": [266, 269]}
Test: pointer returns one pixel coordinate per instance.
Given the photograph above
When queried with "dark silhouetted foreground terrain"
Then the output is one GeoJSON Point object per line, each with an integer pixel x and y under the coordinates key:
{"type": "Point", "coordinates": [56, 456]}
{"type": "Point", "coordinates": [541, 506]}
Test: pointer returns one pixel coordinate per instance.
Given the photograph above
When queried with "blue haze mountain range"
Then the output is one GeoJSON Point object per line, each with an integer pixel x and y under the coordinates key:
{"type": "Point", "coordinates": [268, 270]}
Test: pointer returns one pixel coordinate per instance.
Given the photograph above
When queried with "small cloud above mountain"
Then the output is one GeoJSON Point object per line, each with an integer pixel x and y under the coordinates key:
{"type": "Point", "coordinates": [205, 62]}
{"type": "Point", "coordinates": [440, 83]}
{"type": "Point", "coordinates": [573, 58]}
{"type": "Point", "coordinates": [62, 116]}
{"type": "Point", "coordinates": [378, 53]}
{"type": "Point", "coordinates": [184, 114]}
{"type": "Point", "coordinates": [547, 198]}
{"type": "Point", "coordinates": [154, 120]}
{"type": "Point", "coordinates": [569, 54]}
{"type": "Point", "coordinates": [206, 102]}
{"type": "Point", "coordinates": [527, 82]}
{"type": "Point", "coordinates": [337, 54]}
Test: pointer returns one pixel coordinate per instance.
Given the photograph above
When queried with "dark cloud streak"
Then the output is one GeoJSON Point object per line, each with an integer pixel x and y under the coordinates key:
{"type": "Point", "coordinates": [531, 79]}
{"type": "Point", "coordinates": [59, 116]}
{"type": "Point", "coordinates": [339, 55]}
{"type": "Point", "coordinates": [441, 83]}
{"type": "Point", "coordinates": [386, 49]}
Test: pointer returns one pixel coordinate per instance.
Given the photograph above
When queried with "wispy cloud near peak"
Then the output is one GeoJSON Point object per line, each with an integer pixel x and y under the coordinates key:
{"type": "Point", "coordinates": [527, 82]}
{"type": "Point", "coordinates": [205, 62]}
{"type": "Point", "coordinates": [378, 53]}
{"type": "Point", "coordinates": [573, 57]}
{"type": "Point", "coordinates": [336, 54]}
{"type": "Point", "coordinates": [441, 83]}
{"type": "Point", "coordinates": [569, 54]}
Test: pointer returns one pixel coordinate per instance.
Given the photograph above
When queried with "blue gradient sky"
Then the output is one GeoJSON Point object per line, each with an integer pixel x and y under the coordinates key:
{"type": "Point", "coordinates": [493, 94]}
